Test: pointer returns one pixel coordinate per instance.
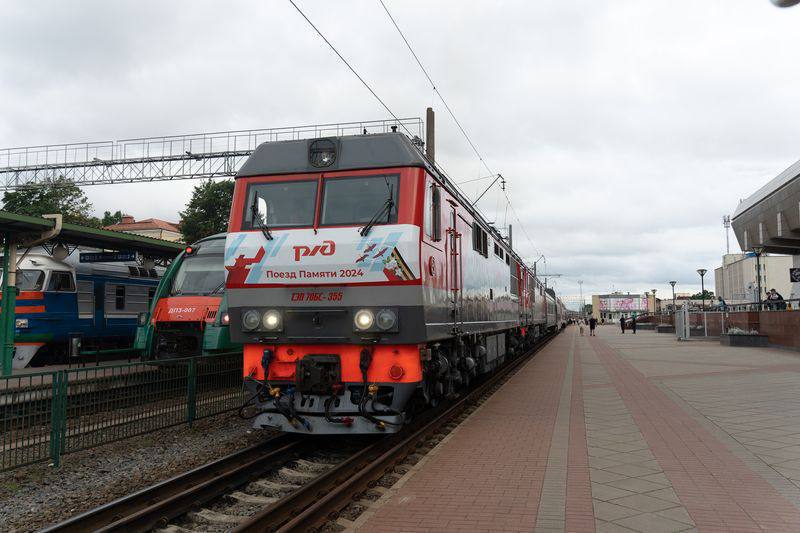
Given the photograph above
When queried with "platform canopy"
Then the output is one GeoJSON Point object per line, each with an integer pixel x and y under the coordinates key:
{"type": "Point", "coordinates": [20, 226]}
{"type": "Point", "coordinates": [770, 217]}
{"type": "Point", "coordinates": [24, 231]}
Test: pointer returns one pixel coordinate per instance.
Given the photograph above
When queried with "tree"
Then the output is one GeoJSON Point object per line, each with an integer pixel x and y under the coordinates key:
{"type": "Point", "coordinates": [109, 219]}
{"type": "Point", "coordinates": [207, 211]}
{"type": "Point", "coordinates": [57, 195]}
{"type": "Point", "coordinates": [705, 295]}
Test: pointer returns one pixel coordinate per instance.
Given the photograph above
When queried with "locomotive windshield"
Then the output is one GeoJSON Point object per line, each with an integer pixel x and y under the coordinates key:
{"type": "Point", "coordinates": [356, 200]}
{"type": "Point", "coordinates": [199, 275]}
{"type": "Point", "coordinates": [30, 280]}
{"type": "Point", "coordinates": [288, 204]}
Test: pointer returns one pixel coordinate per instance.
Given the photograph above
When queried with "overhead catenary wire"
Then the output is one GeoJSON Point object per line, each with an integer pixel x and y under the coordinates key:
{"type": "Point", "coordinates": [457, 122]}
{"type": "Point", "coordinates": [476, 179]}
{"type": "Point", "coordinates": [353, 70]}
{"type": "Point", "coordinates": [435, 89]}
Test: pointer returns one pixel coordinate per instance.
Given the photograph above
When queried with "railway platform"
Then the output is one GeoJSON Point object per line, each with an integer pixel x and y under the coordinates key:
{"type": "Point", "coordinates": [617, 433]}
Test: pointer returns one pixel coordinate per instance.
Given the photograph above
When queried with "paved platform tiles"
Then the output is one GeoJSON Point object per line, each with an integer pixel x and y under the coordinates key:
{"type": "Point", "coordinates": [617, 433]}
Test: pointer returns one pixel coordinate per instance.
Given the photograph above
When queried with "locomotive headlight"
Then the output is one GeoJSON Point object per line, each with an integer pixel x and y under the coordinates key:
{"type": "Point", "coordinates": [226, 319]}
{"type": "Point", "coordinates": [386, 319]}
{"type": "Point", "coordinates": [21, 323]}
{"type": "Point", "coordinates": [251, 319]}
{"type": "Point", "coordinates": [272, 320]}
{"type": "Point", "coordinates": [364, 319]}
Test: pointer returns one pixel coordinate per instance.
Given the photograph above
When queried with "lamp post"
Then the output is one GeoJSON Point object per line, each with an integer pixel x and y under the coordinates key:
{"type": "Point", "coordinates": [654, 302]}
{"type": "Point", "coordinates": [758, 250]}
{"type": "Point", "coordinates": [673, 295]}
{"type": "Point", "coordinates": [702, 272]}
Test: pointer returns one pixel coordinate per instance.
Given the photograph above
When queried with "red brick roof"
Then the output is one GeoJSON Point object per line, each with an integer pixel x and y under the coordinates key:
{"type": "Point", "coordinates": [148, 223]}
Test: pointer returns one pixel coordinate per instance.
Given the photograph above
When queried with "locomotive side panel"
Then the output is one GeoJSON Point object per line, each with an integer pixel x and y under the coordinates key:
{"type": "Point", "coordinates": [468, 284]}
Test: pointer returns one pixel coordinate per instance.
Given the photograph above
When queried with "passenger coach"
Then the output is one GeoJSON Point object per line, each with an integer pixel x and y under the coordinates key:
{"type": "Point", "coordinates": [364, 286]}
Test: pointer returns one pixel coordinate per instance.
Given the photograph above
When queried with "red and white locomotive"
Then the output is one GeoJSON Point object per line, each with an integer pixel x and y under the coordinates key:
{"type": "Point", "coordinates": [365, 287]}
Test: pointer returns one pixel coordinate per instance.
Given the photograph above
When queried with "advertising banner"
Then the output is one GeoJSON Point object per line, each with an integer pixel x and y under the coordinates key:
{"type": "Point", "coordinates": [328, 255]}
{"type": "Point", "coordinates": [623, 304]}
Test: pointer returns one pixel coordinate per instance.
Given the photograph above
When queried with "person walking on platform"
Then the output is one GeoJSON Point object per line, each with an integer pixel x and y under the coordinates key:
{"type": "Point", "coordinates": [633, 325]}
{"type": "Point", "coordinates": [622, 323]}
{"type": "Point", "coordinates": [580, 326]}
{"type": "Point", "coordinates": [592, 325]}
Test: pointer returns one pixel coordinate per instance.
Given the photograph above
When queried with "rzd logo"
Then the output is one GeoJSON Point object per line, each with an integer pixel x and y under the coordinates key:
{"type": "Point", "coordinates": [326, 248]}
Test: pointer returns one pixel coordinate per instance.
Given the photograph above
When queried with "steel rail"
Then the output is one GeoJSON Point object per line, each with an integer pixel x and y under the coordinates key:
{"type": "Point", "coordinates": [156, 505]}
{"type": "Point", "coordinates": [322, 498]}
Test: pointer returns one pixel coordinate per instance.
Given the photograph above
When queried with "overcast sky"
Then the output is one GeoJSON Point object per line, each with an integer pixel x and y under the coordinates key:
{"type": "Point", "coordinates": [625, 129]}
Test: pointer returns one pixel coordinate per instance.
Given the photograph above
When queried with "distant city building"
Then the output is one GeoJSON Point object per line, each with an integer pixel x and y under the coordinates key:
{"type": "Point", "coordinates": [736, 279]}
{"type": "Point", "coordinates": [150, 227]}
{"type": "Point", "coordinates": [610, 307]}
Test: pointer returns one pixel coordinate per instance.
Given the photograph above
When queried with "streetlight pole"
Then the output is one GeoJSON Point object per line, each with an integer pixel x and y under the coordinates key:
{"type": "Point", "coordinates": [580, 284]}
{"type": "Point", "coordinates": [654, 301]}
{"type": "Point", "coordinates": [702, 272]}
{"type": "Point", "coordinates": [673, 295]}
{"type": "Point", "coordinates": [758, 250]}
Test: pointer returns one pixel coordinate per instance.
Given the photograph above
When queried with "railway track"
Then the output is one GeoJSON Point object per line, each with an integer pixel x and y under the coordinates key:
{"type": "Point", "coordinates": [287, 483]}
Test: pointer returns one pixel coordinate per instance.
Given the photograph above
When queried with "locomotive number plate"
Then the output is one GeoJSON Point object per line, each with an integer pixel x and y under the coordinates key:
{"type": "Point", "coordinates": [316, 296]}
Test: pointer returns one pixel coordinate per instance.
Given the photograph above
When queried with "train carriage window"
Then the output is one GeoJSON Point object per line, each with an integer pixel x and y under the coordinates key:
{"type": "Point", "coordinates": [480, 240]}
{"type": "Point", "coordinates": [126, 300]}
{"type": "Point", "coordinates": [514, 279]}
{"type": "Point", "coordinates": [499, 252]}
{"type": "Point", "coordinates": [85, 299]}
{"type": "Point", "coordinates": [119, 298]}
{"type": "Point", "coordinates": [61, 281]}
{"type": "Point", "coordinates": [359, 199]}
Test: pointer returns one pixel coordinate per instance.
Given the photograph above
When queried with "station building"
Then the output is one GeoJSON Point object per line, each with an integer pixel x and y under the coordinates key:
{"type": "Point", "coordinates": [768, 221]}
{"type": "Point", "coordinates": [608, 308]}
{"type": "Point", "coordinates": [737, 279]}
{"type": "Point", "coordinates": [150, 227]}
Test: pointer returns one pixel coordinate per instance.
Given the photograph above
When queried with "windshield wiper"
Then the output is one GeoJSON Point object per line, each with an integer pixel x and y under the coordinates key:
{"type": "Point", "coordinates": [385, 208]}
{"type": "Point", "coordinates": [218, 287]}
{"type": "Point", "coordinates": [257, 221]}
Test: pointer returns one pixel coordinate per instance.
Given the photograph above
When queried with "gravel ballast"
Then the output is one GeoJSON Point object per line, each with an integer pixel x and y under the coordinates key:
{"type": "Point", "coordinates": [35, 496]}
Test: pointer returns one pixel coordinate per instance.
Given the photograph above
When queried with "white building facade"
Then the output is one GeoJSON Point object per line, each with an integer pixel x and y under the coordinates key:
{"type": "Point", "coordinates": [736, 280]}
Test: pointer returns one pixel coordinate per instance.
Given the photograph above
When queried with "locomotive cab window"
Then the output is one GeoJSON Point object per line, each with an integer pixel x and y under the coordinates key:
{"type": "Point", "coordinates": [29, 280]}
{"type": "Point", "coordinates": [281, 204]}
{"type": "Point", "coordinates": [61, 281]}
{"type": "Point", "coordinates": [200, 274]}
{"type": "Point", "coordinates": [359, 199]}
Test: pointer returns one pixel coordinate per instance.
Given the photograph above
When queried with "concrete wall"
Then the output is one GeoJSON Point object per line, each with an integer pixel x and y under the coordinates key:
{"type": "Point", "coordinates": [782, 327]}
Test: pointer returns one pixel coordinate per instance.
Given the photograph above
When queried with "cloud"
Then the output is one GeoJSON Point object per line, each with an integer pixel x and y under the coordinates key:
{"type": "Point", "coordinates": [626, 130]}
